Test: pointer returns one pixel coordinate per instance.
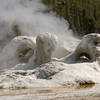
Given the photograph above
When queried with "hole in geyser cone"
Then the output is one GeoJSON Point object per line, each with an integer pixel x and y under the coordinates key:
{"type": "Point", "coordinates": [22, 53]}
{"type": "Point", "coordinates": [84, 57]}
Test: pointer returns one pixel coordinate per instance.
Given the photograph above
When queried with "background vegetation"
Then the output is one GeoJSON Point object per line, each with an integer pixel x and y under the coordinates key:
{"type": "Point", "coordinates": [82, 15]}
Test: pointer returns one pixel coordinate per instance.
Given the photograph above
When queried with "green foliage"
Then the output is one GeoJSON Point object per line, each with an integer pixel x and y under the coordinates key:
{"type": "Point", "coordinates": [82, 15]}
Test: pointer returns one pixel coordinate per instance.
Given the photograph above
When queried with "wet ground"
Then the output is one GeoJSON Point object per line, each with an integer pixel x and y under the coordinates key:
{"type": "Point", "coordinates": [81, 92]}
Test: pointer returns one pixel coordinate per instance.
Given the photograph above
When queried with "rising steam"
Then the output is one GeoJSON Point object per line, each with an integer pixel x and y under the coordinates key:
{"type": "Point", "coordinates": [28, 17]}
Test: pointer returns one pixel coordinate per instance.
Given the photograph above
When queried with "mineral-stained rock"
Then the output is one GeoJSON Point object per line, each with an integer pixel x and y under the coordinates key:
{"type": "Point", "coordinates": [88, 48]}
{"type": "Point", "coordinates": [71, 70]}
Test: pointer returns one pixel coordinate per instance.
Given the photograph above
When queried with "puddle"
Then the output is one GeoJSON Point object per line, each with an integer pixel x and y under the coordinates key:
{"type": "Point", "coordinates": [85, 86]}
